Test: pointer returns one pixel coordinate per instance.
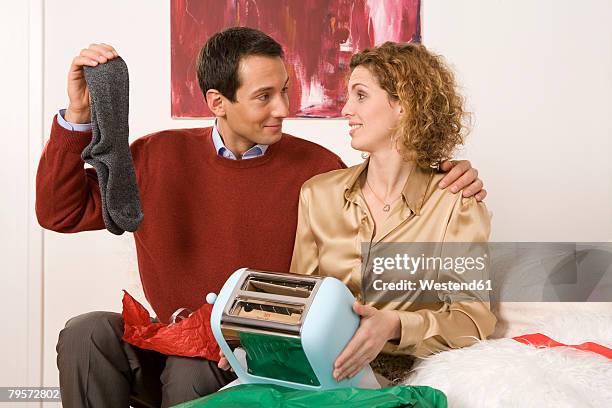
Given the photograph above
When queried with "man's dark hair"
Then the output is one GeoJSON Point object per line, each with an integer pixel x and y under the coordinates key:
{"type": "Point", "coordinates": [219, 58]}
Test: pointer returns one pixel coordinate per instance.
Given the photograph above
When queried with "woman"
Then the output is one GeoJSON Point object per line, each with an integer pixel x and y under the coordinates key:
{"type": "Point", "coordinates": [404, 111]}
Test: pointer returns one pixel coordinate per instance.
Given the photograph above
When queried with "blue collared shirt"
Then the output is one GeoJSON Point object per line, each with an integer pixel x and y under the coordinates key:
{"type": "Point", "coordinates": [79, 127]}
{"type": "Point", "coordinates": [255, 151]}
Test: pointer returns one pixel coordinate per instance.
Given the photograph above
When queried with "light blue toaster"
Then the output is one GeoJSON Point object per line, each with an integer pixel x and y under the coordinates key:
{"type": "Point", "coordinates": [292, 327]}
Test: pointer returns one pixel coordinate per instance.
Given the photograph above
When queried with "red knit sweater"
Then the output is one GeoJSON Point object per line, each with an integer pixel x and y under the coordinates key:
{"type": "Point", "coordinates": [204, 215]}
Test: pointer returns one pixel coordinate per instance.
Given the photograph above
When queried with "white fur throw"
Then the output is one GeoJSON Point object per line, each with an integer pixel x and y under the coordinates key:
{"type": "Point", "coordinates": [506, 373]}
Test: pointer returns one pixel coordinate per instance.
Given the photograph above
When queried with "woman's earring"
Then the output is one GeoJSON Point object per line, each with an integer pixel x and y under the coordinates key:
{"type": "Point", "coordinates": [364, 155]}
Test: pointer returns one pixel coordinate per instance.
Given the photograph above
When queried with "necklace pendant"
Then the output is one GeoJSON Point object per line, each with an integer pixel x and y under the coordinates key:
{"type": "Point", "coordinates": [386, 208]}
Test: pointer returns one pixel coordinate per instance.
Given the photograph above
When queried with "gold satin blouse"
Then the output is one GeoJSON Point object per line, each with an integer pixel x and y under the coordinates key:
{"type": "Point", "coordinates": [334, 221]}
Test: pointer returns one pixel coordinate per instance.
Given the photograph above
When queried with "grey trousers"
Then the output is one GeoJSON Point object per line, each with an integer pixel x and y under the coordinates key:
{"type": "Point", "coordinates": [98, 369]}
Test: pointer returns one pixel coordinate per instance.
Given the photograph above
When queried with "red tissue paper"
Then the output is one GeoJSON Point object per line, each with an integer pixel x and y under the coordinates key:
{"type": "Point", "coordinates": [190, 337]}
{"type": "Point", "coordinates": [540, 340]}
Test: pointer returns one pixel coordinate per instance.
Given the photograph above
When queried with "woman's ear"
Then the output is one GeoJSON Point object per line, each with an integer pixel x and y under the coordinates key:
{"type": "Point", "coordinates": [396, 105]}
{"type": "Point", "coordinates": [399, 109]}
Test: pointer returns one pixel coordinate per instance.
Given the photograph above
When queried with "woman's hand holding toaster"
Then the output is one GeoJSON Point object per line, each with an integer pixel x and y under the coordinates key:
{"type": "Point", "coordinates": [375, 329]}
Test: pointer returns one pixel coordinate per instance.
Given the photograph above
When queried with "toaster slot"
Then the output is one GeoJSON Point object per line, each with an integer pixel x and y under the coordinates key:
{"type": "Point", "coordinates": [267, 310]}
{"type": "Point", "coordinates": [285, 287]}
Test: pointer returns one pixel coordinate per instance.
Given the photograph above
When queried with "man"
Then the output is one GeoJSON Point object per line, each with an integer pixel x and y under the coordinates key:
{"type": "Point", "coordinates": [214, 199]}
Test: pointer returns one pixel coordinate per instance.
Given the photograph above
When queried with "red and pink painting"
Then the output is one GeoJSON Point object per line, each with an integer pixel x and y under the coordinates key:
{"type": "Point", "coordinates": [318, 37]}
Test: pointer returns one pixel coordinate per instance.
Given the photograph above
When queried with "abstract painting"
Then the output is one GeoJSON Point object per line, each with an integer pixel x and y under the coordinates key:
{"type": "Point", "coordinates": [318, 37]}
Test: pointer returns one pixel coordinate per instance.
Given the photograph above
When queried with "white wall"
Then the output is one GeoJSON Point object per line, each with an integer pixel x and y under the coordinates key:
{"type": "Point", "coordinates": [537, 76]}
{"type": "Point", "coordinates": [20, 236]}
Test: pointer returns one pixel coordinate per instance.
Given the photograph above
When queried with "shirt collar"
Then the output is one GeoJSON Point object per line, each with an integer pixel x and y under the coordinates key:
{"type": "Point", "coordinates": [414, 190]}
{"type": "Point", "coordinates": [255, 151]}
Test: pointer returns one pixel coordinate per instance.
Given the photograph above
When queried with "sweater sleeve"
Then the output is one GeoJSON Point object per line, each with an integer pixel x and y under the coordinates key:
{"type": "Point", "coordinates": [336, 163]}
{"type": "Point", "coordinates": [67, 194]}
{"type": "Point", "coordinates": [461, 321]}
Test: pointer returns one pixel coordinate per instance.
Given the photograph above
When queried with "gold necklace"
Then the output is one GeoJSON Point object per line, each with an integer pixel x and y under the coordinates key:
{"type": "Point", "coordinates": [386, 206]}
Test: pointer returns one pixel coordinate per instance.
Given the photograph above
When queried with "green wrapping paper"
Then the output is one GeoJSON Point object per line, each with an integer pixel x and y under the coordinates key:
{"type": "Point", "coordinates": [277, 357]}
{"type": "Point", "coordinates": [274, 396]}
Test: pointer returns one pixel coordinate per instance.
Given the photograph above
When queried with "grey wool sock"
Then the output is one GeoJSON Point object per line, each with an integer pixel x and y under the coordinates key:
{"type": "Point", "coordinates": [109, 150]}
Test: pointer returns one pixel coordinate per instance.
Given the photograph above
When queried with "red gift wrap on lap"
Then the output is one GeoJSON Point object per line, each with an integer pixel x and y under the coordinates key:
{"type": "Point", "coordinates": [190, 337]}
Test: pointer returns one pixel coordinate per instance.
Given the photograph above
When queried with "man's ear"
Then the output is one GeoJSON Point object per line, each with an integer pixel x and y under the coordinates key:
{"type": "Point", "coordinates": [215, 102]}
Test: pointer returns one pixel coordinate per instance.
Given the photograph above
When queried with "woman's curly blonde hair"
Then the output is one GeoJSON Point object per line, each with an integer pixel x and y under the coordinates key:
{"type": "Point", "coordinates": [434, 122]}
